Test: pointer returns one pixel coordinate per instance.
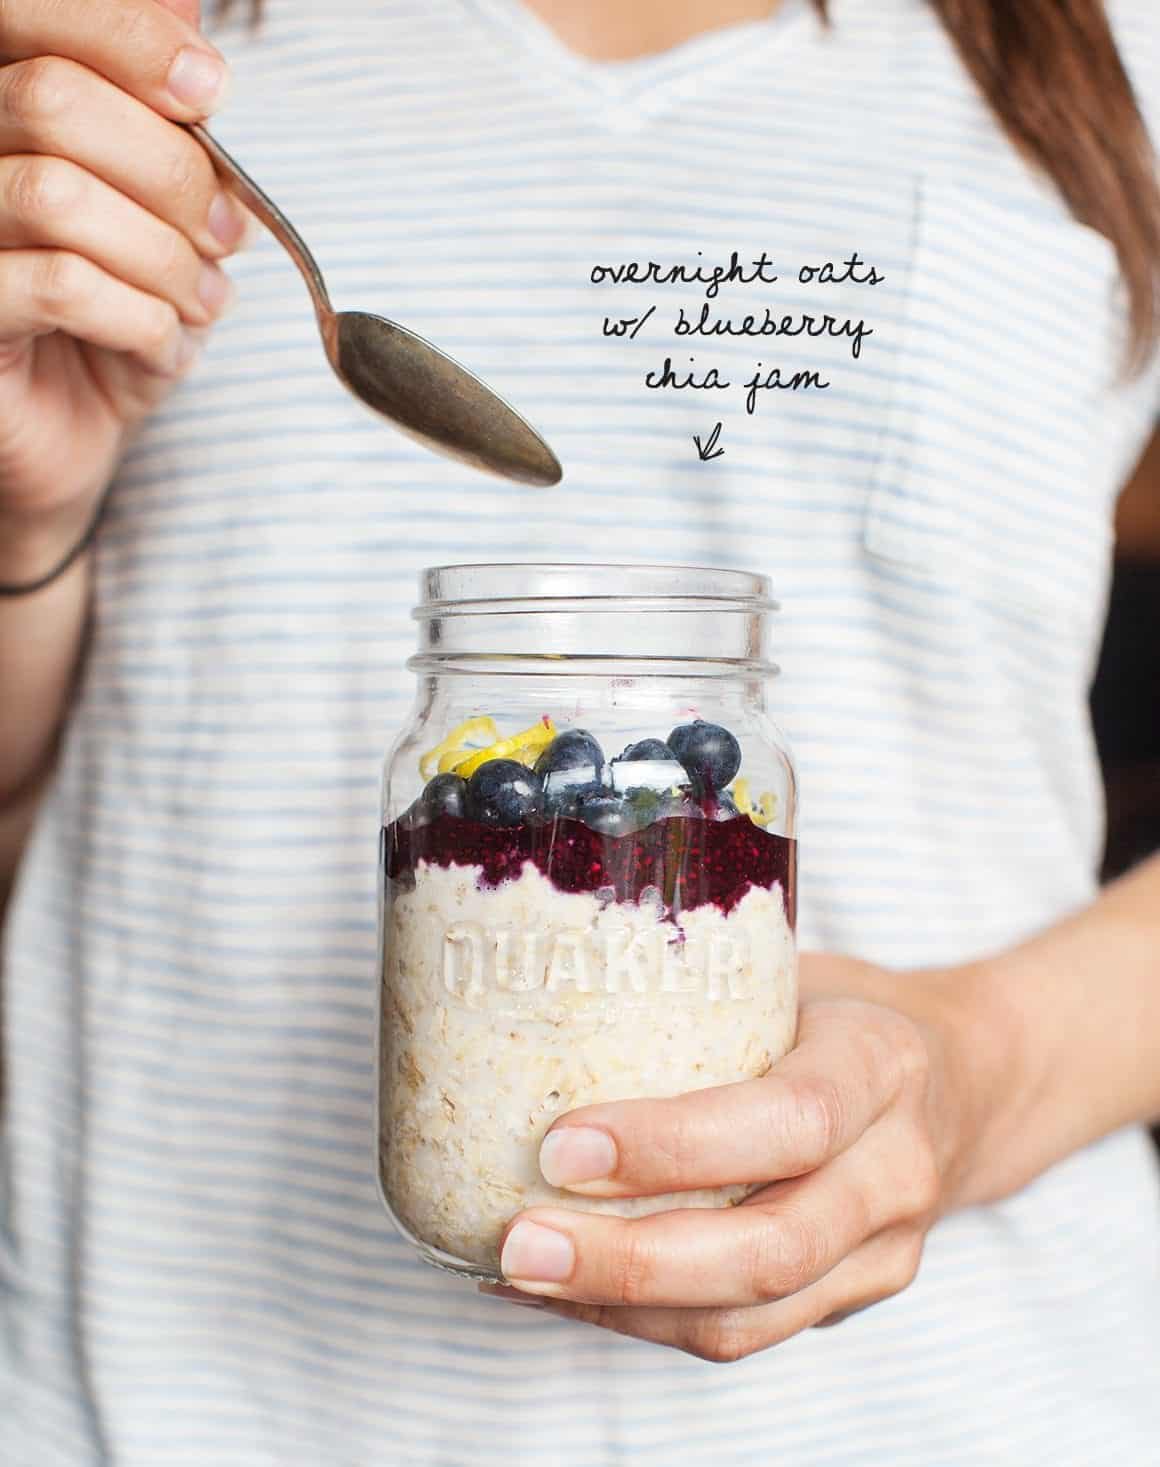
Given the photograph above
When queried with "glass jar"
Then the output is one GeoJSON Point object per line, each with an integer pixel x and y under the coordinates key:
{"type": "Point", "coordinates": [588, 878]}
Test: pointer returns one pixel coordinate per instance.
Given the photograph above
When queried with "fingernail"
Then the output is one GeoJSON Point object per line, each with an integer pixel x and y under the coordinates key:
{"type": "Point", "coordinates": [197, 79]}
{"type": "Point", "coordinates": [251, 229]}
{"type": "Point", "coordinates": [576, 1154]}
{"type": "Point", "coordinates": [226, 221]}
{"type": "Point", "coordinates": [534, 1254]}
{"type": "Point", "coordinates": [214, 289]}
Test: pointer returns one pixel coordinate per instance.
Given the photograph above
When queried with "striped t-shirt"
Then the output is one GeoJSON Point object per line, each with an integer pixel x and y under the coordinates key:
{"type": "Point", "coordinates": [194, 1265]}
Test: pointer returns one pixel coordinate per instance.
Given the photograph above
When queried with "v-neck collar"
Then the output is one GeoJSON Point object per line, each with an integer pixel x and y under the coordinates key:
{"type": "Point", "coordinates": [637, 88]}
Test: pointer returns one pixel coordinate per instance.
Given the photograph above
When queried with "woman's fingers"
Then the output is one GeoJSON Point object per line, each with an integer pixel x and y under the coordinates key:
{"type": "Point", "coordinates": [849, 1063]}
{"type": "Point", "coordinates": [188, 10]}
{"type": "Point", "coordinates": [55, 107]}
{"type": "Point", "coordinates": [144, 48]}
{"type": "Point", "coordinates": [779, 1241]}
{"type": "Point", "coordinates": [694, 1258]}
{"type": "Point", "coordinates": [51, 203]}
{"type": "Point", "coordinates": [57, 290]}
{"type": "Point", "coordinates": [882, 1267]}
{"type": "Point", "coordinates": [782, 1240]}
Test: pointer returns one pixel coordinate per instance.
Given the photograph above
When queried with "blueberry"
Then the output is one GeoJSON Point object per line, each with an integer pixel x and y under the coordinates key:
{"type": "Point", "coordinates": [559, 800]}
{"type": "Point", "coordinates": [414, 815]}
{"type": "Point", "coordinates": [570, 750]}
{"type": "Point", "coordinates": [504, 792]}
{"type": "Point", "coordinates": [607, 813]}
{"type": "Point", "coordinates": [709, 752]}
{"type": "Point", "coordinates": [648, 774]}
{"type": "Point", "coordinates": [446, 794]}
{"type": "Point", "coordinates": [655, 749]}
{"type": "Point", "coordinates": [562, 795]}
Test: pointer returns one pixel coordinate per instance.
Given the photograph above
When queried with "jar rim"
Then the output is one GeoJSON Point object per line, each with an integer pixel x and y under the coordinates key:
{"type": "Point", "coordinates": [497, 587]}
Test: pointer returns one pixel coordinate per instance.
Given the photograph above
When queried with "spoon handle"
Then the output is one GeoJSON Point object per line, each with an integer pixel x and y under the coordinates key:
{"type": "Point", "coordinates": [259, 204]}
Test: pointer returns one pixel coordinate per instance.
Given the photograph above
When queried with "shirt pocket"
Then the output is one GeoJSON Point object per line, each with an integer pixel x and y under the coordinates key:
{"type": "Point", "coordinates": [989, 478]}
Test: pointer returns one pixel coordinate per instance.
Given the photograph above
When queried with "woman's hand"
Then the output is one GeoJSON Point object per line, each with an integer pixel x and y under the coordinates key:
{"type": "Point", "coordinates": [111, 224]}
{"type": "Point", "coordinates": [861, 1135]}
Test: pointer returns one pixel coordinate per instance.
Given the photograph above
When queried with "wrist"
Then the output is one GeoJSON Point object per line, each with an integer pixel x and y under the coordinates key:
{"type": "Point", "coordinates": [980, 1078]}
{"type": "Point", "coordinates": [34, 544]}
{"type": "Point", "coordinates": [988, 1083]}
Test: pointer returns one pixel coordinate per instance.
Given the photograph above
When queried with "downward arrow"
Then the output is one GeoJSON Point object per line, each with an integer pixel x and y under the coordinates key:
{"type": "Point", "coordinates": [707, 451]}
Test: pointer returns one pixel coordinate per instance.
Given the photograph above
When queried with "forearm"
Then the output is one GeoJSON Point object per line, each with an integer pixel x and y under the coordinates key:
{"type": "Point", "coordinates": [40, 640]}
{"type": "Point", "coordinates": [1138, 510]}
{"type": "Point", "coordinates": [1064, 1037]}
{"type": "Point", "coordinates": [16, 819]}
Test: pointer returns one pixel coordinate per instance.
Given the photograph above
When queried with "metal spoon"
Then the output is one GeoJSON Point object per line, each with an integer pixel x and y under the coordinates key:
{"type": "Point", "coordinates": [420, 389]}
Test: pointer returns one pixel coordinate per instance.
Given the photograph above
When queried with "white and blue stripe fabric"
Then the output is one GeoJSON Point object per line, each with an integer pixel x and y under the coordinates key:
{"type": "Point", "coordinates": [195, 1270]}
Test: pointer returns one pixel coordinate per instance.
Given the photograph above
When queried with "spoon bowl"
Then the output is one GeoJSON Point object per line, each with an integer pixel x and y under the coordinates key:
{"type": "Point", "coordinates": [434, 400]}
{"type": "Point", "coordinates": [421, 390]}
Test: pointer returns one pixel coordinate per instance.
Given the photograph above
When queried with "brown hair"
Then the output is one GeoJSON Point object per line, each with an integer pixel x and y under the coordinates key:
{"type": "Point", "coordinates": [1051, 74]}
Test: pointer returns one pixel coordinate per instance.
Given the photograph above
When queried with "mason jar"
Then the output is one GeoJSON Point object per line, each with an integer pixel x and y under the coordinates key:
{"type": "Point", "coordinates": [588, 878]}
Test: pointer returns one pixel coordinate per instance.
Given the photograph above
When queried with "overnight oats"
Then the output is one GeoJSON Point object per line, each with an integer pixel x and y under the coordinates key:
{"type": "Point", "coordinates": [593, 904]}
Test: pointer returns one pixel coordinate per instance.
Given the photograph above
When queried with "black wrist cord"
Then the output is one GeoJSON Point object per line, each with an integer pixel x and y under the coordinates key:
{"type": "Point", "coordinates": [29, 588]}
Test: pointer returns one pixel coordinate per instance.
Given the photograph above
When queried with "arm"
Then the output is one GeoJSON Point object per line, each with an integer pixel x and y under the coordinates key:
{"type": "Point", "coordinates": [906, 1097]}
{"type": "Point", "coordinates": [1080, 1006]}
{"type": "Point", "coordinates": [40, 641]}
{"type": "Point", "coordinates": [1138, 511]}
{"type": "Point", "coordinates": [16, 820]}
{"type": "Point", "coordinates": [112, 225]}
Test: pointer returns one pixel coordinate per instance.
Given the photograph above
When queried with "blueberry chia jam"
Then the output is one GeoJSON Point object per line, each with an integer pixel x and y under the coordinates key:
{"type": "Point", "coordinates": [690, 862]}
